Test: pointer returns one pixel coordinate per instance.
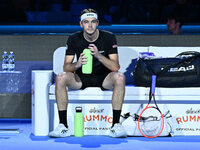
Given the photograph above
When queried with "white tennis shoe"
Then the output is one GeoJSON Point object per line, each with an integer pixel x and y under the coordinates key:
{"type": "Point", "coordinates": [118, 131]}
{"type": "Point", "coordinates": [60, 131]}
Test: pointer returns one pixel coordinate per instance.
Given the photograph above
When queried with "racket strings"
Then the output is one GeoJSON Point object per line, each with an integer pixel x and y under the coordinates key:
{"type": "Point", "coordinates": [153, 125]}
{"type": "Point", "coordinates": [151, 119]}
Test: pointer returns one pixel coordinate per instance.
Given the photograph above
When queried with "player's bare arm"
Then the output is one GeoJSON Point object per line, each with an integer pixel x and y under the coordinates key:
{"type": "Point", "coordinates": [112, 63]}
{"type": "Point", "coordinates": [69, 66]}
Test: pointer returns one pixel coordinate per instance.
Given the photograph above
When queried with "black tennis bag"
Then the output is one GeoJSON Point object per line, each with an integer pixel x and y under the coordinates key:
{"type": "Point", "coordinates": [181, 71]}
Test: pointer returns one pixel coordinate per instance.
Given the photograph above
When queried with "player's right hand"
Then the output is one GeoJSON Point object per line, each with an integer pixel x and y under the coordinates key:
{"type": "Point", "coordinates": [82, 59]}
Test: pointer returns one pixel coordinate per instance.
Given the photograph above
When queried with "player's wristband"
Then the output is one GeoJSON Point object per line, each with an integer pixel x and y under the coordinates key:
{"type": "Point", "coordinates": [118, 68]}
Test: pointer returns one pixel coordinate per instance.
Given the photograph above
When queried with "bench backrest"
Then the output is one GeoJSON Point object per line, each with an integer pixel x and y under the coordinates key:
{"type": "Point", "coordinates": [126, 55]}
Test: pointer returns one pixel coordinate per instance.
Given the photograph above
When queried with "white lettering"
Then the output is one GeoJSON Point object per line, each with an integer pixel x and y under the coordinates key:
{"type": "Point", "coordinates": [183, 69]}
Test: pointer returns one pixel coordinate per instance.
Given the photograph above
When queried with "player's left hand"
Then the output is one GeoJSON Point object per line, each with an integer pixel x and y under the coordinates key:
{"type": "Point", "coordinates": [94, 50]}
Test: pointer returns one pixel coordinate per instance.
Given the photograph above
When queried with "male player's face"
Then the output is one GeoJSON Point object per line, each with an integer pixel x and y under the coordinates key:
{"type": "Point", "coordinates": [89, 25]}
{"type": "Point", "coordinates": [171, 24]}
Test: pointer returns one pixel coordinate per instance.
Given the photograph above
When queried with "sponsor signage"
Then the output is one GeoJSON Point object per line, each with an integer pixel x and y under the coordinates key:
{"type": "Point", "coordinates": [188, 122]}
{"type": "Point", "coordinates": [98, 120]}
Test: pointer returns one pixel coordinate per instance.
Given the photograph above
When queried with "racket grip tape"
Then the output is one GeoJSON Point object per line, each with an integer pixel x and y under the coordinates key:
{"type": "Point", "coordinates": [153, 84]}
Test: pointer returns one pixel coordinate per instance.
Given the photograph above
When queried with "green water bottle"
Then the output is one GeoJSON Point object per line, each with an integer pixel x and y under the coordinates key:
{"type": "Point", "coordinates": [87, 68]}
{"type": "Point", "coordinates": [78, 122]}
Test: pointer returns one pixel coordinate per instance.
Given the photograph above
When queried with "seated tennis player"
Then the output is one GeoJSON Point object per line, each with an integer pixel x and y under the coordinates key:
{"type": "Point", "coordinates": [103, 46]}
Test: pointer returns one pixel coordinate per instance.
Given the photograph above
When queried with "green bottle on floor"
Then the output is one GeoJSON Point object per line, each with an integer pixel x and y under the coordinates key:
{"type": "Point", "coordinates": [78, 122]}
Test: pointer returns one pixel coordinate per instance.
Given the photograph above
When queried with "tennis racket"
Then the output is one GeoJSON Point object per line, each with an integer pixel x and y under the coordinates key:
{"type": "Point", "coordinates": [151, 120]}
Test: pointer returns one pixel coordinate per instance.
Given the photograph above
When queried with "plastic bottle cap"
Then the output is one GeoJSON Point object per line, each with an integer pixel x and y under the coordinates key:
{"type": "Point", "coordinates": [78, 109]}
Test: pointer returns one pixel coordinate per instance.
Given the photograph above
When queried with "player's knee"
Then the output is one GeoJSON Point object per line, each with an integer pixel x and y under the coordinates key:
{"type": "Point", "coordinates": [62, 78]}
{"type": "Point", "coordinates": [119, 78]}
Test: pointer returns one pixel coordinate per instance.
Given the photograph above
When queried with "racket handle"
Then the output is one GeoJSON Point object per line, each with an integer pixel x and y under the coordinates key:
{"type": "Point", "coordinates": [153, 84]}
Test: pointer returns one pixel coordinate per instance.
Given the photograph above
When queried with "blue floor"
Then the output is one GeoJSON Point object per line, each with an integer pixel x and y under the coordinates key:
{"type": "Point", "coordinates": [25, 140]}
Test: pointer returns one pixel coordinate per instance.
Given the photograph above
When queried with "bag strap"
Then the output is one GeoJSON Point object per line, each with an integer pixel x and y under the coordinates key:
{"type": "Point", "coordinates": [188, 53]}
{"type": "Point", "coordinates": [188, 60]}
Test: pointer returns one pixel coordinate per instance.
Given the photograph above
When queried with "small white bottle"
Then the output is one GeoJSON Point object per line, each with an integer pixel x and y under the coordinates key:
{"type": "Point", "coordinates": [11, 58]}
{"type": "Point", "coordinates": [5, 61]}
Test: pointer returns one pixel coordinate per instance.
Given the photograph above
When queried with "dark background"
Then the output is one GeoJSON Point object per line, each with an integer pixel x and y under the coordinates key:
{"type": "Point", "coordinates": [110, 11]}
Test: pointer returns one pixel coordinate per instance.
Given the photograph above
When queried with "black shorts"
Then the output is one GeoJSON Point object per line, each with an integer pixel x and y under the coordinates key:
{"type": "Point", "coordinates": [92, 80]}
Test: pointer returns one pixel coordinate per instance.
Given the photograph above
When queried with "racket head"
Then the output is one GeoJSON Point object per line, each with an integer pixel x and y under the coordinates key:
{"type": "Point", "coordinates": [141, 126]}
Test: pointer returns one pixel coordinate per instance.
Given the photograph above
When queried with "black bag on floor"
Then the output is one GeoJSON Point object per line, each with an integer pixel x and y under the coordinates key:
{"type": "Point", "coordinates": [181, 71]}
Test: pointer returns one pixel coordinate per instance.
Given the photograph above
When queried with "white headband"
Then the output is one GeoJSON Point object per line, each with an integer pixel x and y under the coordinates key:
{"type": "Point", "coordinates": [89, 15]}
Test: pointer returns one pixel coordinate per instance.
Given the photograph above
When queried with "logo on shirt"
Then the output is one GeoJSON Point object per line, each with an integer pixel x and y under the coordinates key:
{"type": "Point", "coordinates": [114, 46]}
{"type": "Point", "coordinates": [101, 51]}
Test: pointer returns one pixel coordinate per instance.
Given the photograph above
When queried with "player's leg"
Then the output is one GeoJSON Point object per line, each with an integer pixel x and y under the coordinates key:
{"type": "Point", "coordinates": [63, 80]}
{"type": "Point", "coordinates": [116, 81]}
